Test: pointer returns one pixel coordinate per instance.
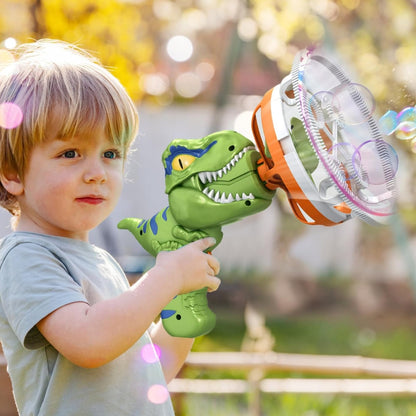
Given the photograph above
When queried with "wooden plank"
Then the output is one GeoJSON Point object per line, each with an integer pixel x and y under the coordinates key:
{"type": "Point", "coordinates": [317, 364]}
{"type": "Point", "coordinates": [350, 387]}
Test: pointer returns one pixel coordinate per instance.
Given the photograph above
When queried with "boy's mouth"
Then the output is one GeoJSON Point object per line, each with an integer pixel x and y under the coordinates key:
{"type": "Point", "coordinates": [91, 199]}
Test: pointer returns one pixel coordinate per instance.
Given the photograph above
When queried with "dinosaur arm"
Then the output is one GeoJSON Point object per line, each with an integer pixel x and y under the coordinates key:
{"type": "Point", "coordinates": [182, 233]}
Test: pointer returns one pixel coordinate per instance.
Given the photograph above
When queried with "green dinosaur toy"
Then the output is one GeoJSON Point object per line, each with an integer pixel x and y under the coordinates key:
{"type": "Point", "coordinates": [210, 182]}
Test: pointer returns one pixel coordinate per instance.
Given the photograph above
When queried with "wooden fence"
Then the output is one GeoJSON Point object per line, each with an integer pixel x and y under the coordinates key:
{"type": "Point", "coordinates": [366, 376]}
{"type": "Point", "coordinates": [377, 377]}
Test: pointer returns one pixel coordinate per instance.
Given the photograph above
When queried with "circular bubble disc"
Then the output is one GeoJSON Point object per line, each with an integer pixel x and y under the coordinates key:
{"type": "Point", "coordinates": [341, 154]}
{"type": "Point", "coordinates": [375, 162]}
{"type": "Point", "coordinates": [324, 107]}
{"type": "Point", "coordinates": [356, 103]}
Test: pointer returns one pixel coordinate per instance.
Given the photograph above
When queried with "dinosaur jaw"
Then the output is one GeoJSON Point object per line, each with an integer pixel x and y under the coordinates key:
{"type": "Point", "coordinates": [222, 176]}
{"type": "Point", "coordinates": [209, 177]}
{"type": "Point", "coordinates": [221, 196]}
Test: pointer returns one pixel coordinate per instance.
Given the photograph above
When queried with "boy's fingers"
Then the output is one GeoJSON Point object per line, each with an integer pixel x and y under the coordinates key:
{"type": "Point", "coordinates": [214, 264]}
{"type": "Point", "coordinates": [205, 243]}
{"type": "Point", "coordinates": [214, 284]}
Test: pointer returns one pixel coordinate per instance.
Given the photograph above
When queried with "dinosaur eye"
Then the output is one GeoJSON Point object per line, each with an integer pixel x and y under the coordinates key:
{"type": "Point", "coordinates": [181, 162]}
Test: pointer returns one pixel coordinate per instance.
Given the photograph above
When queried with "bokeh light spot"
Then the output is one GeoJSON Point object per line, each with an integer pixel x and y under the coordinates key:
{"type": "Point", "coordinates": [180, 48]}
{"type": "Point", "coordinates": [11, 115]}
{"type": "Point", "coordinates": [157, 394]}
{"type": "Point", "coordinates": [150, 353]}
{"type": "Point", "coordinates": [10, 43]}
{"type": "Point", "coordinates": [188, 85]}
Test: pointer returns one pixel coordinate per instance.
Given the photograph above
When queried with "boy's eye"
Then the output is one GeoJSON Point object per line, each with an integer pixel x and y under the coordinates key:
{"type": "Point", "coordinates": [111, 154]}
{"type": "Point", "coordinates": [70, 154]}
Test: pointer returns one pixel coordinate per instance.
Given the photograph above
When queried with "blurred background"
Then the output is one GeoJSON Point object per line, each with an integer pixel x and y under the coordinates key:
{"type": "Point", "coordinates": [198, 66]}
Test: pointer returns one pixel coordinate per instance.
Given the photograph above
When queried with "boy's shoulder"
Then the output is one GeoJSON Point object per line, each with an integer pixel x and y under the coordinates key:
{"type": "Point", "coordinates": [32, 242]}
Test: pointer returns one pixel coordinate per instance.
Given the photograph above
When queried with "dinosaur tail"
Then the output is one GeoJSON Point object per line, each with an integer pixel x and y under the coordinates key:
{"type": "Point", "coordinates": [130, 224]}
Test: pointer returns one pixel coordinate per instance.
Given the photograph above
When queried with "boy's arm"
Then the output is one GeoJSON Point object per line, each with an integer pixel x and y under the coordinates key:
{"type": "Point", "coordinates": [173, 350]}
{"type": "Point", "coordinates": [91, 336]}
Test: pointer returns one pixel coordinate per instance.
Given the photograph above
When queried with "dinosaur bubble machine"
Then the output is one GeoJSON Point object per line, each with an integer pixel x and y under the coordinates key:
{"type": "Point", "coordinates": [317, 139]}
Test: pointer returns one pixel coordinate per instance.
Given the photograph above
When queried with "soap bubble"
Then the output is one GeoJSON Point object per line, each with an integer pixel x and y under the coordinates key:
{"type": "Point", "coordinates": [11, 115]}
{"type": "Point", "coordinates": [356, 103]}
{"type": "Point", "coordinates": [388, 122]}
{"type": "Point", "coordinates": [376, 162]}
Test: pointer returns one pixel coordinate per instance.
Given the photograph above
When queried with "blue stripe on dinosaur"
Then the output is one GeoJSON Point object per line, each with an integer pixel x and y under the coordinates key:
{"type": "Point", "coordinates": [165, 214]}
{"type": "Point", "coordinates": [167, 313]}
{"type": "Point", "coordinates": [153, 224]}
{"type": "Point", "coordinates": [182, 150]}
{"type": "Point", "coordinates": [145, 226]}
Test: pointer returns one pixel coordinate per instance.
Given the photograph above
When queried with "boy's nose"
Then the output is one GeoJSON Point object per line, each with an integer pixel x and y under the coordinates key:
{"type": "Point", "coordinates": [94, 172]}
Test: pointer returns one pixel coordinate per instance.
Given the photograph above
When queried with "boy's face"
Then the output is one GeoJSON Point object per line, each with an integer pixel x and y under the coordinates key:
{"type": "Point", "coordinates": [71, 185]}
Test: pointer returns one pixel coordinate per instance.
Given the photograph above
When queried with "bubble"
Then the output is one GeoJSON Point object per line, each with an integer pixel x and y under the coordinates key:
{"type": "Point", "coordinates": [150, 353]}
{"type": "Point", "coordinates": [388, 122]}
{"type": "Point", "coordinates": [157, 394]}
{"type": "Point", "coordinates": [406, 130]}
{"type": "Point", "coordinates": [11, 115]}
{"type": "Point", "coordinates": [407, 114]}
{"type": "Point", "coordinates": [356, 103]}
{"type": "Point", "coordinates": [375, 162]}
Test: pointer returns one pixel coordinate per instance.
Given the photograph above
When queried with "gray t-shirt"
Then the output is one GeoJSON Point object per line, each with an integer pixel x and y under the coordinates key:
{"type": "Point", "coordinates": [40, 273]}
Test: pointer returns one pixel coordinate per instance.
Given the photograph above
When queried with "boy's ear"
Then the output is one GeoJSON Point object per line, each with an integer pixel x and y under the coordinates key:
{"type": "Point", "coordinates": [12, 183]}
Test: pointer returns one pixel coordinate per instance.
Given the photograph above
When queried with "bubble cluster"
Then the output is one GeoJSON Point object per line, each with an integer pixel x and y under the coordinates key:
{"type": "Point", "coordinates": [402, 124]}
{"type": "Point", "coordinates": [11, 116]}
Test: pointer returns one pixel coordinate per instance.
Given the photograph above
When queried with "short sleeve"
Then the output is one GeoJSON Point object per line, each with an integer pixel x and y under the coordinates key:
{"type": "Point", "coordinates": [33, 283]}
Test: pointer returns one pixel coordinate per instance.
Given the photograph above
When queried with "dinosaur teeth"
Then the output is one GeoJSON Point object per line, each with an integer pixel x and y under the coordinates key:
{"type": "Point", "coordinates": [210, 177]}
{"type": "Point", "coordinates": [222, 198]}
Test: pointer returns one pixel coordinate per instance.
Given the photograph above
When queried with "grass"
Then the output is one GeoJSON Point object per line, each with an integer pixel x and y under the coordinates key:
{"type": "Point", "coordinates": [312, 334]}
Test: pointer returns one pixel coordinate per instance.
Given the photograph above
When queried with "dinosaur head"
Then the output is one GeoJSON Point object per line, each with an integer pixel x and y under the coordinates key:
{"type": "Point", "coordinates": [214, 180]}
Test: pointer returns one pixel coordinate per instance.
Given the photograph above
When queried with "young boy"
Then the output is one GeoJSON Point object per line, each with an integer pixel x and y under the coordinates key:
{"type": "Point", "coordinates": [74, 334]}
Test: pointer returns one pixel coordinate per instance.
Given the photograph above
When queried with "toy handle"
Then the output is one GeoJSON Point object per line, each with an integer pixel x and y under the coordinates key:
{"type": "Point", "coordinates": [188, 315]}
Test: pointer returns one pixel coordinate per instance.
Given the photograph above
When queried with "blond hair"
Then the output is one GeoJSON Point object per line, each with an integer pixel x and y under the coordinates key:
{"type": "Point", "coordinates": [54, 80]}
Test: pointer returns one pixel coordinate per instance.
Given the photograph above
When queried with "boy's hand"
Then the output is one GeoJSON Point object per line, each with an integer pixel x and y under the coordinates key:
{"type": "Point", "coordinates": [190, 267]}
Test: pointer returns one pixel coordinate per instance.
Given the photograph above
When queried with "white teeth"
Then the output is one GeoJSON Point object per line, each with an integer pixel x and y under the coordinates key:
{"type": "Point", "coordinates": [209, 177]}
{"type": "Point", "coordinates": [229, 199]}
{"type": "Point", "coordinates": [223, 198]}
{"type": "Point", "coordinates": [205, 177]}
{"type": "Point", "coordinates": [202, 177]}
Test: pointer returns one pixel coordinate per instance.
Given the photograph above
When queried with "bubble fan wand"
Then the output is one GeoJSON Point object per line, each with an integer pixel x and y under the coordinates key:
{"type": "Point", "coordinates": [320, 143]}
{"type": "Point", "coordinates": [316, 139]}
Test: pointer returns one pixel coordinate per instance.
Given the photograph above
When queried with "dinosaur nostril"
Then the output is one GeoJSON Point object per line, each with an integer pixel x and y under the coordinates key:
{"type": "Point", "coordinates": [231, 148]}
